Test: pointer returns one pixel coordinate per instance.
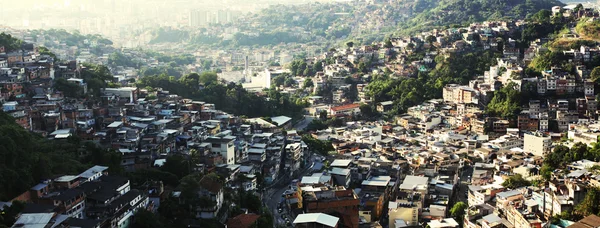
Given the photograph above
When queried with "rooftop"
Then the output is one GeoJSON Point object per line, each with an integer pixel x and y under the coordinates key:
{"type": "Point", "coordinates": [281, 120]}
{"type": "Point", "coordinates": [34, 220]}
{"type": "Point", "coordinates": [345, 107]}
{"type": "Point", "coordinates": [66, 178]}
{"type": "Point", "coordinates": [508, 194]}
{"type": "Point", "coordinates": [447, 222]}
{"type": "Point", "coordinates": [93, 171]}
{"type": "Point", "coordinates": [338, 171]}
{"type": "Point", "coordinates": [320, 218]}
{"type": "Point", "coordinates": [412, 182]}
{"type": "Point", "coordinates": [340, 163]}
{"type": "Point", "coordinates": [242, 221]}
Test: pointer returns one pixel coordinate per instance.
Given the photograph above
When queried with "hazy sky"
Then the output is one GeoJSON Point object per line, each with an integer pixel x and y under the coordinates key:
{"type": "Point", "coordinates": [58, 12]}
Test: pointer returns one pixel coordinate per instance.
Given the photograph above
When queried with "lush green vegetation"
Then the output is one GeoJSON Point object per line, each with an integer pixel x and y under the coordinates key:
{"type": "Point", "coordinates": [317, 146]}
{"type": "Point", "coordinates": [589, 205]}
{"type": "Point", "coordinates": [506, 102]}
{"type": "Point", "coordinates": [173, 70]}
{"type": "Point", "coordinates": [562, 155]}
{"type": "Point", "coordinates": [407, 92]}
{"type": "Point", "coordinates": [174, 212]}
{"type": "Point", "coordinates": [589, 29]}
{"type": "Point", "coordinates": [183, 59]}
{"type": "Point", "coordinates": [301, 67]}
{"type": "Point", "coordinates": [26, 158]}
{"type": "Point", "coordinates": [265, 38]}
{"type": "Point", "coordinates": [53, 38]}
{"type": "Point", "coordinates": [231, 98]}
{"type": "Point", "coordinates": [516, 181]}
{"type": "Point", "coordinates": [119, 59]}
{"type": "Point", "coordinates": [331, 24]}
{"type": "Point", "coordinates": [9, 215]}
{"type": "Point", "coordinates": [168, 35]}
{"type": "Point", "coordinates": [97, 77]}
{"type": "Point", "coordinates": [458, 210]}
{"type": "Point", "coordinates": [46, 51]}
{"type": "Point", "coordinates": [435, 13]}
{"type": "Point", "coordinates": [9, 42]}
{"type": "Point", "coordinates": [284, 79]}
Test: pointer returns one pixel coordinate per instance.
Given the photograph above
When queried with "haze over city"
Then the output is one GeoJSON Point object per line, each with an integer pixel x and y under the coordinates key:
{"type": "Point", "coordinates": [113, 18]}
{"type": "Point", "coordinates": [300, 114]}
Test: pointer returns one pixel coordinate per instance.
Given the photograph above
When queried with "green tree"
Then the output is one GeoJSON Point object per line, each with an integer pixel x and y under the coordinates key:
{"type": "Point", "coordinates": [316, 145]}
{"type": "Point", "coordinates": [9, 42]}
{"type": "Point", "coordinates": [307, 72]}
{"type": "Point", "coordinates": [208, 78]}
{"type": "Point", "coordinates": [546, 171]}
{"type": "Point", "coordinates": [458, 211]}
{"type": "Point", "coordinates": [595, 75]}
{"type": "Point", "coordinates": [505, 103]}
{"type": "Point", "coordinates": [516, 181]}
{"type": "Point", "coordinates": [147, 219]}
{"type": "Point", "coordinates": [28, 158]}
{"type": "Point", "coordinates": [308, 83]}
{"type": "Point", "coordinates": [362, 67]}
{"type": "Point", "coordinates": [589, 205]}
{"type": "Point", "coordinates": [45, 51]}
{"type": "Point", "coordinates": [193, 80]}
{"type": "Point", "coordinates": [350, 44]}
{"type": "Point", "coordinates": [289, 82]}
{"type": "Point", "coordinates": [430, 39]}
{"type": "Point", "coordinates": [278, 80]}
{"type": "Point", "coordinates": [177, 165]}
{"type": "Point", "coordinates": [68, 89]}
{"type": "Point", "coordinates": [542, 16]}
{"type": "Point", "coordinates": [318, 66]}
{"type": "Point", "coordinates": [315, 125]}
{"type": "Point", "coordinates": [9, 214]}
{"type": "Point", "coordinates": [368, 111]}
{"type": "Point", "coordinates": [388, 43]}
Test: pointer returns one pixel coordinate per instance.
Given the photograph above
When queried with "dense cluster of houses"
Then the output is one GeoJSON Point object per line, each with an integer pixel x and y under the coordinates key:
{"type": "Point", "coordinates": [407, 172]}
{"type": "Point", "coordinates": [90, 199]}
{"type": "Point", "coordinates": [411, 171]}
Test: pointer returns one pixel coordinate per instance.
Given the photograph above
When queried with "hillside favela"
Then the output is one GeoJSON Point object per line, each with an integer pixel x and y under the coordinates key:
{"type": "Point", "coordinates": [300, 113]}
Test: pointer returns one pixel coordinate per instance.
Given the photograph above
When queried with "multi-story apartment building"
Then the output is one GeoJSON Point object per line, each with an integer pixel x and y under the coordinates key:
{"type": "Point", "coordinates": [295, 153]}
{"type": "Point", "coordinates": [223, 145]}
{"type": "Point", "coordinates": [213, 191]}
{"type": "Point", "coordinates": [522, 215]}
{"type": "Point", "coordinates": [338, 200]}
{"type": "Point", "coordinates": [537, 143]}
{"type": "Point", "coordinates": [454, 93]}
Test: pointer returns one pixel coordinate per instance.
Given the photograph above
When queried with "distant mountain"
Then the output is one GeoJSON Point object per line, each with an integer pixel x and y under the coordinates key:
{"type": "Point", "coordinates": [330, 24]}
{"type": "Point", "coordinates": [442, 13]}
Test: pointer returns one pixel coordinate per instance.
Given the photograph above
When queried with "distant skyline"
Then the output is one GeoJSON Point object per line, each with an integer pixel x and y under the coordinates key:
{"type": "Point", "coordinates": [119, 20]}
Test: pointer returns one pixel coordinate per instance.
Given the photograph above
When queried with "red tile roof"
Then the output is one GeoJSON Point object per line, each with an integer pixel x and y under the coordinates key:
{"type": "Point", "coordinates": [210, 184]}
{"type": "Point", "coordinates": [345, 107]}
{"type": "Point", "coordinates": [242, 221]}
{"type": "Point", "coordinates": [589, 221]}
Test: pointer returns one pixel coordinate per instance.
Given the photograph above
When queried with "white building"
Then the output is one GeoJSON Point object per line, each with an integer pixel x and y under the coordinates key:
{"type": "Point", "coordinates": [224, 146]}
{"type": "Point", "coordinates": [506, 142]}
{"type": "Point", "coordinates": [123, 92]}
{"type": "Point", "coordinates": [537, 143]}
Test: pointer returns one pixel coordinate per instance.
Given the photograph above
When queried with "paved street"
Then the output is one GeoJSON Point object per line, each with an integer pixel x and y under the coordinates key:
{"type": "Point", "coordinates": [463, 184]}
{"type": "Point", "coordinates": [273, 195]}
{"type": "Point", "coordinates": [304, 123]}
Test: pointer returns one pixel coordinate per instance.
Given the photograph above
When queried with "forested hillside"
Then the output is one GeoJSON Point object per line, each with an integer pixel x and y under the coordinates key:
{"type": "Point", "coordinates": [331, 23]}
{"type": "Point", "coordinates": [231, 98]}
{"type": "Point", "coordinates": [9, 42]}
{"type": "Point", "coordinates": [442, 13]}
{"type": "Point", "coordinates": [27, 158]}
